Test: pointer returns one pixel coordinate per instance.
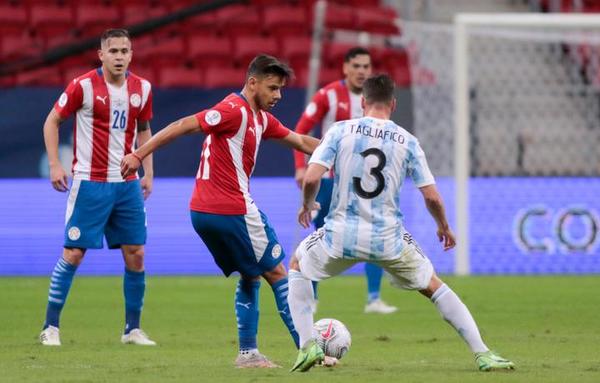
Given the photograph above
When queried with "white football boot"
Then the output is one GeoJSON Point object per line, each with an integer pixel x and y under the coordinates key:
{"type": "Point", "coordinates": [137, 336]}
{"type": "Point", "coordinates": [379, 307]}
{"type": "Point", "coordinates": [50, 336]}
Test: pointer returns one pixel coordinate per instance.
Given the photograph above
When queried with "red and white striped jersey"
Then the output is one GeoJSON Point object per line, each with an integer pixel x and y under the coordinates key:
{"type": "Point", "coordinates": [234, 132]}
{"type": "Point", "coordinates": [334, 102]}
{"type": "Point", "coordinates": [105, 122]}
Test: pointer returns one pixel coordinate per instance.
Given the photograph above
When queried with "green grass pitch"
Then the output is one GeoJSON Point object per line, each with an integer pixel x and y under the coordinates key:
{"type": "Point", "coordinates": [549, 326]}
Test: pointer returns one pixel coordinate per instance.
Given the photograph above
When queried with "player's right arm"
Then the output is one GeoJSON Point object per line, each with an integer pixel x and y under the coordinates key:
{"type": "Point", "coordinates": [68, 102]}
{"type": "Point", "coordinates": [58, 176]}
{"type": "Point", "coordinates": [435, 206]}
{"type": "Point", "coordinates": [313, 114]}
{"type": "Point", "coordinates": [221, 119]}
{"type": "Point", "coordinates": [133, 161]}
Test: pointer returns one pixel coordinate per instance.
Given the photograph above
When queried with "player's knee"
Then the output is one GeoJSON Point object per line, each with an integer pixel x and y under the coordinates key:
{"type": "Point", "coordinates": [434, 283]}
{"type": "Point", "coordinates": [275, 274]}
{"type": "Point", "coordinates": [294, 264]}
{"type": "Point", "coordinates": [73, 255]}
{"type": "Point", "coordinates": [134, 257]}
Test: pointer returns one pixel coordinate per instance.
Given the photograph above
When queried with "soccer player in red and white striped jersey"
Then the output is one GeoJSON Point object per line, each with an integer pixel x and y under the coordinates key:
{"type": "Point", "coordinates": [223, 213]}
{"type": "Point", "coordinates": [112, 108]}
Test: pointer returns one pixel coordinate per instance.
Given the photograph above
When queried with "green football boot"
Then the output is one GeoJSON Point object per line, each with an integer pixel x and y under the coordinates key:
{"type": "Point", "coordinates": [489, 361]}
{"type": "Point", "coordinates": [308, 356]}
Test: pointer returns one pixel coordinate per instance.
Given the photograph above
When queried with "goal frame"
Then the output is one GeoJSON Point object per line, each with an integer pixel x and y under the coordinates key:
{"type": "Point", "coordinates": [462, 23]}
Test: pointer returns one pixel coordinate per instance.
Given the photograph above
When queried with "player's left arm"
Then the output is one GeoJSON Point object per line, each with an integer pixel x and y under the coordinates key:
{"type": "Point", "coordinates": [302, 142]}
{"type": "Point", "coordinates": [310, 188]}
{"type": "Point", "coordinates": [144, 135]}
{"type": "Point", "coordinates": [277, 131]}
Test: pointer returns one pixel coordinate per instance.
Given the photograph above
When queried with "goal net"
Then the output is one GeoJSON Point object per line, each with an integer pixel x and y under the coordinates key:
{"type": "Point", "coordinates": [507, 108]}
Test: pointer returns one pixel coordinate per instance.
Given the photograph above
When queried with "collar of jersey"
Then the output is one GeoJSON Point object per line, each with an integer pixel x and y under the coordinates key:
{"type": "Point", "coordinates": [240, 95]}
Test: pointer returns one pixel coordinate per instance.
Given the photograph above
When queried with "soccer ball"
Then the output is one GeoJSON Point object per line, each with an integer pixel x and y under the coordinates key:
{"type": "Point", "coordinates": [332, 336]}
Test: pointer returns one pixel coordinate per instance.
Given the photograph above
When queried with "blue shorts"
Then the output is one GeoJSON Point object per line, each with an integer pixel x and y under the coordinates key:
{"type": "Point", "coordinates": [244, 243]}
{"type": "Point", "coordinates": [111, 209]}
{"type": "Point", "coordinates": [324, 199]}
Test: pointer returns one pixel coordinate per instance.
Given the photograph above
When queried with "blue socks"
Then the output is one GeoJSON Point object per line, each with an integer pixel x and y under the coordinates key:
{"type": "Point", "coordinates": [246, 312]}
{"type": "Point", "coordinates": [60, 283]}
{"type": "Point", "coordinates": [374, 274]}
{"type": "Point", "coordinates": [280, 289]}
{"type": "Point", "coordinates": [315, 292]}
{"type": "Point", "coordinates": [134, 286]}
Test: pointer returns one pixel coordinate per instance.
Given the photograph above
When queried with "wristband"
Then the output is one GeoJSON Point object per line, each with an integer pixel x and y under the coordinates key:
{"type": "Point", "coordinates": [136, 156]}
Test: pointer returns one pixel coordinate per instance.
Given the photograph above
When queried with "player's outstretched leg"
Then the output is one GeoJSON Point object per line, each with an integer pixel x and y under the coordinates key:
{"type": "Point", "coordinates": [299, 298]}
{"type": "Point", "coordinates": [374, 302]}
{"type": "Point", "coordinates": [454, 311]}
{"type": "Point", "coordinates": [60, 283]}
{"type": "Point", "coordinates": [246, 311]}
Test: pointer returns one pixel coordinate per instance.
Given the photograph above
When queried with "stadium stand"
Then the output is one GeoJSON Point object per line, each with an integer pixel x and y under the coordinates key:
{"type": "Point", "coordinates": [225, 39]}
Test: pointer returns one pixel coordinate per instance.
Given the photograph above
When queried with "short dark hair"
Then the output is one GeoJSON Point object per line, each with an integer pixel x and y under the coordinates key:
{"type": "Point", "coordinates": [378, 89]}
{"type": "Point", "coordinates": [117, 32]}
{"type": "Point", "coordinates": [355, 51]}
{"type": "Point", "coordinates": [264, 65]}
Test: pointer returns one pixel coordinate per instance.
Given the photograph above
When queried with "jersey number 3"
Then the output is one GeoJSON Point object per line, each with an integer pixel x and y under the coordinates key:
{"type": "Point", "coordinates": [375, 172]}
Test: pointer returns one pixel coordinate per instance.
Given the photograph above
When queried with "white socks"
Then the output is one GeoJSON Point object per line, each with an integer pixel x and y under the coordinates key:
{"type": "Point", "coordinates": [300, 299]}
{"type": "Point", "coordinates": [457, 314]}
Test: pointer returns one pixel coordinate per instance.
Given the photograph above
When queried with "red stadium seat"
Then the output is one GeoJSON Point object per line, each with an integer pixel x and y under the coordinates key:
{"type": "Point", "coordinates": [13, 19]}
{"type": "Point", "coordinates": [144, 71]}
{"type": "Point", "coordinates": [14, 47]}
{"type": "Point", "coordinates": [264, 3]}
{"type": "Point", "coordinates": [94, 19]}
{"type": "Point", "coordinates": [365, 3]}
{"type": "Point", "coordinates": [165, 52]}
{"type": "Point", "coordinates": [339, 17]}
{"type": "Point", "coordinates": [296, 50]}
{"type": "Point", "coordinates": [205, 23]}
{"type": "Point", "coordinates": [326, 76]}
{"type": "Point", "coordinates": [51, 20]}
{"type": "Point", "coordinates": [246, 47]}
{"type": "Point", "coordinates": [180, 77]}
{"type": "Point", "coordinates": [141, 42]}
{"type": "Point", "coordinates": [376, 22]}
{"type": "Point", "coordinates": [334, 53]}
{"type": "Point", "coordinates": [285, 20]}
{"type": "Point", "coordinates": [7, 81]}
{"type": "Point", "coordinates": [71, 73]}
{"type": "Point", "coordinates": [394, 57]}
{"type": "Point", "coordinates": [210, 51]}
{"type": "Point", "coordinates": [136, 13]}
{"type": "Point", "coordinates": [224, 77]}
{"type": "Point", "coordinates": [236, 20]}
{"type": "Point", "coordinates": [47, 76]}
{"type": "Point", "coordinates": [400, 74]}
{"type": "Point", "coordinates": [57, 40]}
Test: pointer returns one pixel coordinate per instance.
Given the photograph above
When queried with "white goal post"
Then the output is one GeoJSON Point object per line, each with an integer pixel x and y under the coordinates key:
{"type": "Point", "coordinates": [462, 146]}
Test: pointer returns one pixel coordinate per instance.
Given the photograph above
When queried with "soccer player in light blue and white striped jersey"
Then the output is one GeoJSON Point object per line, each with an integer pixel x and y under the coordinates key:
{"type": "Point", "coordinates": [372, 156]}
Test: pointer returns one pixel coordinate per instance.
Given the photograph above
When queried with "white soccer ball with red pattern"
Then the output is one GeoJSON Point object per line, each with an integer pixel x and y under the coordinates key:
{"type": "Point", "coordinates": [332, 336]}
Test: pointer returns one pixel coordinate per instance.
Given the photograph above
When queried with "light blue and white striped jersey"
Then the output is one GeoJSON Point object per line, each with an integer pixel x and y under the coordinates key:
{"type": "Point", "coordinates": [371, 158]}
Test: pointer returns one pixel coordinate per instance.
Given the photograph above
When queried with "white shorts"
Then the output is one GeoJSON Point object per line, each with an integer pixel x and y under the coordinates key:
{"type": "Point", "coordinates": [411, 270]}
